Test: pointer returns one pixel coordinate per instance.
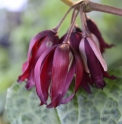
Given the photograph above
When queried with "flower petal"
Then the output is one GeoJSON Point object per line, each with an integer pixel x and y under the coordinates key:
{"type": "Point", "coordinates": [24, 66]}
{"type": "Point", "coordinates": [37, 39]}
{"type": "Point", "coordinates": [47, 43]}
{"type": "Point", "coordinates": [95, 40]}
{"type": "Point", "coordinates": [94, 66]}
{"type": "Point", "coordinates": [75, 39]}
{"type": "Point", "coordinates": [28, 65]}
{"type": "Point", "coordinates": [106, 74]}
{"type": "Point", "coordinates": [59, 72]}
{"type": "Point", "coordinates": [83, 55]}
{"type": "Point", "coordinates": [46, 73]}
{"type": "Point", "coordinates": [35, 52]}
{"type": "Point", "coordinates": [79, 70]}
{"type": "Point", "coordinates": [97, 53]}
{"type": "Point", "coordinates": [79, 75]}
{"type": "Point", "coordinates": [37, 72]}
{"type": "Point", "coordinates": [69, 79]}
{"type": "Point", "coordinates": [85, 81]}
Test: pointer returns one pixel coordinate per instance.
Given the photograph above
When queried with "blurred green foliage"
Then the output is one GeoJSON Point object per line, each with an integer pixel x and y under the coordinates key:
{"type": "Point", "coordinates": [17, 29]}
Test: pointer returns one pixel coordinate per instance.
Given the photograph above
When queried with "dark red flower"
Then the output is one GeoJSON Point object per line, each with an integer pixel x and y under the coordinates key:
{"type": "Point", "coordinates": [54, 72]}
{"type": "Point", "coordinates": [94, 29]}
{"type": "Point", "coordinates": [94, 62]}
{"type": "Point", "coordinates": [75, 38]}
{"type": "Point", "coordinates": [39, 43]}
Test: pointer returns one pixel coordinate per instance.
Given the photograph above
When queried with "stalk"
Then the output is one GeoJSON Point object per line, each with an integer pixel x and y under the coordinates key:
{"type": "Point", "coordinates": [84, 25]}
{"type": "Point", "coordinates": [104, 8]}
{"type": "Point", "coordinates": [92, 6]}
{"type": "Point", "coordinates": [71, 27]}
{"type": "Point", "coordinates": [58, 26]}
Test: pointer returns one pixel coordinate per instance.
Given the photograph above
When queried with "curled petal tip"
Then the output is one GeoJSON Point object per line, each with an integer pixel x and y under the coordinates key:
{"type": "Point", "coordinates": [100, 85]}
{"type": "Point", "coordinates": [28, 86]}
{"type": "Point", "coordinates": [19, 80]}
{"type": "Point", "coordinates": [113, 77]}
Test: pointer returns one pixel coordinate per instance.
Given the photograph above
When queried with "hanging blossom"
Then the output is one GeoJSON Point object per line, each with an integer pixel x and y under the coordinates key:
{"type": "Point", "coordinates": [55, 69]}
{"type": "Point", "coordinates": [53, 64]}
{"type": "Point", "coordinates": [95, 65]}
{"type": "Point", "coordinates": [38, 45]}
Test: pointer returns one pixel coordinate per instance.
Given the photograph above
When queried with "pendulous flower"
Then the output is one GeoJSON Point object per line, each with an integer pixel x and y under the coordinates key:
{"type": "Point", "coordinates": [38, 44]}
{"type": "Point", "coordinates": [53, 64]}
{"type": "Point", "coordinates": [54, 72]}
{"type": "Point", "coordinates": [93, 62]}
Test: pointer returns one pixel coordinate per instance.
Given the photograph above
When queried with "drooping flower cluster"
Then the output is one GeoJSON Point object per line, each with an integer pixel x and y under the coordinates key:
{"type": "Point", "coordinates": [54, 63]}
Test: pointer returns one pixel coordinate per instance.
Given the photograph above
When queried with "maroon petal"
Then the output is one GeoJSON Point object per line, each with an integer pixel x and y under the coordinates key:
{"type": "Point", "coordinates": [97, 53]}
{"type": "Point", "coordinates": [75, 39]}
{"type": "Point", "coordinates": [112, 77]}
{"type": "Point", "coordinates": [79, 75]}
{"type": "Point", "coordinates": [47, 43]}
{"type": "Point", "coordinates": [59, 72]}
{"type": "Point", "coordinates": [94, 66]}
{"type": "Point", "coordinates": [79, 70]}
{"type": "Point", "coordinates": [35, 52]}
{"type": "Point", "coordinates": [37, 39]}
{"type": "Point", "coordinates": [46, 74]}
{"type": "Point", "coordinates": [24, 66]}
{"type": "Point", "coordinates": [66, 100]}
{"type": "Point", "coordinates": [24, 75]}
{"type": "Point", "coordinates": [44, 43]}
{"type": "Point", "coordinates": [104, 45]}
{"type": "Point", "coordinates": [28, 65]}
{"type": "Point", "coordinates": [106, 74]}
{"type": "Point", "coordinates": [94, 29]}
{"type": "Point", "coordinates": [85, 81]}
{"type": "Point", "coordinates": [69, 78]}
{"type": "Point", "coordinates": [37, 72]}
{"type": "Point", "coordinates": [68, 81]}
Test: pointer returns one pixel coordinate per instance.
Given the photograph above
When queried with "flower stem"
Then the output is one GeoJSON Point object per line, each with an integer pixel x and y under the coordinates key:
{"type": "Point", "coordinates": [71, 27]}
{"type": "Point", "coordinates": [58, 26]}
{"type": "Point", "coordinates": [104, 8]}
{"type": "Point", "coordinates": [84, 25]}
{"type": "Point", "coordinates": [73, 15]}
{"type": "Point", "coordinates": [92, 6]}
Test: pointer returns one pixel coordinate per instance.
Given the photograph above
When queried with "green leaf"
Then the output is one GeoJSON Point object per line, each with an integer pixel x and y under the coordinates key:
{"type": "Point", "coordinates": [100, 107]}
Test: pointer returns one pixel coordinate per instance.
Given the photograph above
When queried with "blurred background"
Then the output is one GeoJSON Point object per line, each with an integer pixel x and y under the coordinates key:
{"type": "Point", "coordinates": [20, 20]}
